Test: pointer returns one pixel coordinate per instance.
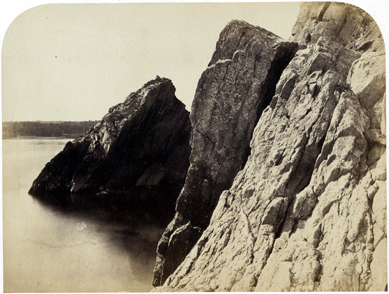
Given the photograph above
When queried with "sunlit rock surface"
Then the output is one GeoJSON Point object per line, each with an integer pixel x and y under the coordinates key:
{"type": "Point", "coordinates": [308, 210]}
{"type": "Point", "coordinates": [230, 97]}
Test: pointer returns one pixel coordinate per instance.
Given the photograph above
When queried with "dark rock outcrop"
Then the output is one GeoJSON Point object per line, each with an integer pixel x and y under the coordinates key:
{"type": "Point", "coordinates": [138, 153]}
{"type": "Point", "coordinates": [308, 210]}
{"type": "Point", "coordinates": [230, 97]}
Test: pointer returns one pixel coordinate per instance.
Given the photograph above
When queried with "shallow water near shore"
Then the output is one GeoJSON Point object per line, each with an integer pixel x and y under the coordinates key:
{"type": "Point", "coordinates": [49, 250]}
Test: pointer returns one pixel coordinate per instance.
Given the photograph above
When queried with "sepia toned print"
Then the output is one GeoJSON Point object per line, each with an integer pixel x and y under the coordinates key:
{"type": "Point", "coordinates": [273, 180]}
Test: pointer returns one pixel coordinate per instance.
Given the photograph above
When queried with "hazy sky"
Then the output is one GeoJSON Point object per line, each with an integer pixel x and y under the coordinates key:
{"type": "Point", "coordinates": [75, 61]}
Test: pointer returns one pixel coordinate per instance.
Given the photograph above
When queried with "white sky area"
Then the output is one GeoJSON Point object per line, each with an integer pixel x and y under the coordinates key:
{"type": "Point", "coordinates": [75, 61]}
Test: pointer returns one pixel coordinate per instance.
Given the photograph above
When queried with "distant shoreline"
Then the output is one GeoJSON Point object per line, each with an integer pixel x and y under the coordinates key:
{"type": "Point", "coordinates": [42, 138]}
{"type": "Point", "coordinates": [42, 129]}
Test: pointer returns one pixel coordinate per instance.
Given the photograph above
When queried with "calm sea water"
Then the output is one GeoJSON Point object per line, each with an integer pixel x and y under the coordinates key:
{"type": "Point", "coordinates": [46, 250]}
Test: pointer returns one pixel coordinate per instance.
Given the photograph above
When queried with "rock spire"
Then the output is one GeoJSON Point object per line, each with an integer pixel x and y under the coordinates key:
{"type": "Point", "coordinates": [138, 153]}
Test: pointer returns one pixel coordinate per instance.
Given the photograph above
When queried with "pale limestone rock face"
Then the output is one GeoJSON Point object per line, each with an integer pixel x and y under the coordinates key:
{"type": "Point", "coordinates": [378, 267]}
{"type": "Point", "coordinates": [231, 94]}
{"type": "Point", "coordinates": [379, 206]}
{"type": "Point", "coordinates": [308, 210]}
{"type": "Point", "coordinates": [367, 78]}
{"type": "Point", "coordinates": [343, 23]}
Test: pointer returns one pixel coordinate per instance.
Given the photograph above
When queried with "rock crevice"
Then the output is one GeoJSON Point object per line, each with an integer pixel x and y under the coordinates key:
{"type": "Point", "coordinates": [231, 95]}
{"type": "Point", "coordinates": [306, 211]}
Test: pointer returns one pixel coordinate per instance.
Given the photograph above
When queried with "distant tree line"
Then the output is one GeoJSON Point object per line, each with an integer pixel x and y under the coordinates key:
{"type": "Point", "coordinates": [64, 129]}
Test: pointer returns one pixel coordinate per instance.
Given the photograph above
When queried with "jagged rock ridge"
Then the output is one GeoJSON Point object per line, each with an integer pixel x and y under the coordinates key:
{"type": "Point", "coordinates": [308, 210]}
{"type": "Point", "coordinates": [230, 97]}
{"type": "Point", "coordinates": [138, 152]}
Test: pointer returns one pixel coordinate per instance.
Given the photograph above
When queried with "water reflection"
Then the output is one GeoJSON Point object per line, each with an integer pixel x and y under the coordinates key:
{"type": "Point", "coordinates": [131, 233]}
{"type": "Point", "coordinates": [71, 245]}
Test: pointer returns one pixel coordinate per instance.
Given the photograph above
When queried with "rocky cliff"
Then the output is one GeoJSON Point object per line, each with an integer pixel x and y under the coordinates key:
{"type": "Point", "coordinates": [307, 211]}
{"type": "Point", "coordinates": [230, 97]}
{"type": "Point", "coordinates": [138, 153]}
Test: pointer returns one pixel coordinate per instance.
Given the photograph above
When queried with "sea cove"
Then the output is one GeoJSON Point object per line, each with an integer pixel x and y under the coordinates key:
{"type": "Point", "coordinates": [51, 250]}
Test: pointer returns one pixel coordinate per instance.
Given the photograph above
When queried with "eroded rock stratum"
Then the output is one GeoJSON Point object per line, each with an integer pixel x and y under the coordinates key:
{"type": "Point", "coordinates": [308, 210]}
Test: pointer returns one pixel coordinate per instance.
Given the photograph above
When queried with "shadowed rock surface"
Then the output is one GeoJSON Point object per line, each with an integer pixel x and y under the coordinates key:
{"type": "Point", "coordinates": [230, 97]}
{"type": "Point", "coordinates": [308, 210]}
{"type": "Point", "coordinates": [138, 154]}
